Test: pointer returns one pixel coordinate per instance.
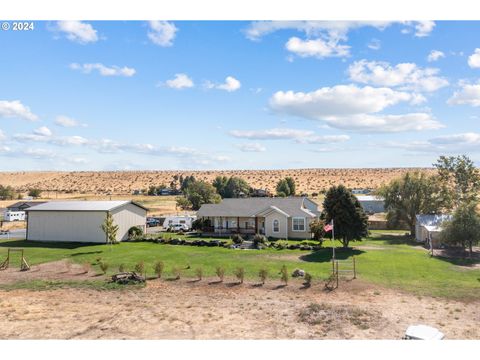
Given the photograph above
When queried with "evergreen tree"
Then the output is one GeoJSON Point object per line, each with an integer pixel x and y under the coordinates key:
{"type": "Point", "coordinates": [350, 220]}
{"type": "Point", "coordinates": [110, 229]}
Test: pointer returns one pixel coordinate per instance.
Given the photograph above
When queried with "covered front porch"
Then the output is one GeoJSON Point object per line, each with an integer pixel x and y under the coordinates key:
{"type": "Point", "coordinates": [234, 225]}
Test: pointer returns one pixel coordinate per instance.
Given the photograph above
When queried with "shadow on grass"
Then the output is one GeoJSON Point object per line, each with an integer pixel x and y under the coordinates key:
{"type": "Point", "coordinates": [394, 239]}
{"type": "Point", "coordinates": [459, 261]}
{"type": "Point", "coordinates": [325, 255]}
{"type": "Point", "coordinates": [87, 253]}
{"type": "Point", "coordinates": [215, 282]}
{"type": "Point", "coordinates": [41, 244]}
{"type": "Point", "coordinates": [233, 284]}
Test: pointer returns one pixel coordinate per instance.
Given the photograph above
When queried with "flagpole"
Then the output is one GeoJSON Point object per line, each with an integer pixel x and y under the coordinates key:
{"type": "Point", "coordinates": [333, 240]}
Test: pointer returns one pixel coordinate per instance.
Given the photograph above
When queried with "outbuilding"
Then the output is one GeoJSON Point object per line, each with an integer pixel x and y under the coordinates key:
{"type": "Point", "coordinates": [81, 221]}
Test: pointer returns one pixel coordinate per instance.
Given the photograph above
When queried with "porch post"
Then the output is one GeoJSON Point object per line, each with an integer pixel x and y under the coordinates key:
{"type": "Point", "coordinates": [286, 226]}
{"type": "Point", "coordinates": [238, 224]}
{"type": "Point", "coordinates": [256, 225]}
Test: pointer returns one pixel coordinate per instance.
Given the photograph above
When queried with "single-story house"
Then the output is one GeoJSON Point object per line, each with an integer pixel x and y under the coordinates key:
{"type": "Point", "coordinates": [282, 218]}
{"type": "Point", "coordinates": [429, 227]}
{"type": "Point", "coordinates": [81, 221]}
{"type": "Point", "coordinates": [372, 204]}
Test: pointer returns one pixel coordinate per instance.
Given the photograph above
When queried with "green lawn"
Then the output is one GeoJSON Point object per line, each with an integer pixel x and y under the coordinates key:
{"type": "Point", "coordinates": [384, 258]}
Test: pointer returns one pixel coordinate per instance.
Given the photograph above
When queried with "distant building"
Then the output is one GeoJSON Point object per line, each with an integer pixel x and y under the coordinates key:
{"type": "Point", "coordinates": [429, 227]}
{"type": "Point", "coordinates": [260, 193]}
{"type": "Point", "coordinates": [372, 204]}
{"type": "Point", "coordinates": [361, 191]}
{"type": "Point", "coordinates": [23, 205]}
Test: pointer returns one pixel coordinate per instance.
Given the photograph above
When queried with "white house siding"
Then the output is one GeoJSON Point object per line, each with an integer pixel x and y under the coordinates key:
{"type": "Point", "coordinates": [71, 226]}
{"type": "Point", "coordinates": [282, 225]}
{"type": "Point", "coordinates": [126, 217]}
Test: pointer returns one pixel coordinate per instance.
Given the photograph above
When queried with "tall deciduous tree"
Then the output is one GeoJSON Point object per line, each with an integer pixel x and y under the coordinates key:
{"type": "Point", "coordinates": [464, 228]}
{"type": "Point", "coordinates": [350, 220]}
{"type": "Point", "coordinates": [460, 177]}
{"type": "Point", "coordinates": [286, 187]}
{"type": "Point", "coordinates": [412, 194]}
{"type": "Point", "coordinates": [110, 229]}
{"type": "Point", "coordinates": [201, 192]}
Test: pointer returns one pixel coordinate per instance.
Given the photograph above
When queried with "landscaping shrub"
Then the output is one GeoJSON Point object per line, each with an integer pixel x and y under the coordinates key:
{"type": "Point", "coordinates": [140, 267]}
{"type": "Point", "coordinates": [308, 280]}
{"type": "Point", "coordinates": [176, 273]}
{"type": "Point", "coordinates": [103, 266]}
{"type": "Point", "coordinates": [237, 239]}
{"type": "Point", "coordinates": [220, 272]}
{"type": "Point", "coordinates": [284, 274]}
{"type": "Point", "coordinates": [263, 274]}
{"type": "Point", "coordinates": [240, 274]}
{"type": "Point", "coordinates": [158, 268]}
{"type": "Point", "coordinates": [135, 232]}
{"type": "Point", "coordinates": [199, 273]}
{"type": "Point", "coordinates": [260, 240]}
{"type": "Point", "coordinates": [121, 268]}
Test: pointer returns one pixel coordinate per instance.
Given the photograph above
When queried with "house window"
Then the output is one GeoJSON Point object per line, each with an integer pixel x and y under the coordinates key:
{"type": "Point", "coordinates": [298, 224]}
{"type": "Point", "coordinates": [275, 226]}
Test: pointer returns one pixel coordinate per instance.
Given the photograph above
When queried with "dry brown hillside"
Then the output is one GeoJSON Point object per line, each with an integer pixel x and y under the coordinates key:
{"type": "Point", "coordinates": [124, 182]}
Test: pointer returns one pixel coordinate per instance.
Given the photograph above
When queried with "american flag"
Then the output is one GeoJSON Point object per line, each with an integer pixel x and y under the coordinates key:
{"type": "Point", "coordinates": [328, 227]}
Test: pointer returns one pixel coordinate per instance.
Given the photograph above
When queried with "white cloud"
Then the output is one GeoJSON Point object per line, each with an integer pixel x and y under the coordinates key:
{"type": "Point", "coordinates": [453, 143]}
{"type": "Point", "coordinates": [271, 134]}
{"type": "Point", "coordinates": [43, 131]}
{"type": "Point", "coordinates": [339, 100]}
{"type": "Point", "coordinates": [470, 139]}
{"type": "Point", "coordinates": [65, 121]}
{"type": "Point", "coordinates": [323, 139]}
{"type": "Point", "coordinates": [435, 55]}
{"type": "Point", "coordinates": [318, 48]}
{"type": "Point", "coordinates": [2, 135]}
{"type": "Point", "coordinates": [78, 31]}
{"type": "Point", "coordinates": [423, 28]}
{"type": "Point", "coordinates": [231, 84]}
{"type": "Point", "coordinates": [104, 70]}
{"type": "Point", "coordinates": [252, 147]}
{"type": "Point", "coordinates": [351, 108]}
{"type": "Point", "coordinates": [474, 59]}
{"type": "Point", "coordinates": [406, 75]}
{"type": "Point", "coordinates": [39, 153]}
{"type": "Point", "coordinates": [15, 109]}
{"type": "Point", "coordinates": [162, 33]}
{"type": "Point", "coordinates": [181, 81]}
{"type": "Point", "coordinates": [374, 44]}
{"type": "Point", "coordinates": [469, 94]}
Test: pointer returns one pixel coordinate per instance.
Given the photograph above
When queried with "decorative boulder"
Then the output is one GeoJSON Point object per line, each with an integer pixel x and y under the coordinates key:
{"type": "Point", "coordinates": [298, 273]}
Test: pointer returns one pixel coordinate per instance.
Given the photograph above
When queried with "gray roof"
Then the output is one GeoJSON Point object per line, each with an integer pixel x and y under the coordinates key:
{"type": "Point", "coordinates": [25, 204]}
{"type": "Point", "coordinates": [247, 207]}
{"type": "Point", "coordinates": [369, 198]}
{"type": "Point", "coordinates": [81, 206]}
{"type": "Point", "coordinates": [432, 220]}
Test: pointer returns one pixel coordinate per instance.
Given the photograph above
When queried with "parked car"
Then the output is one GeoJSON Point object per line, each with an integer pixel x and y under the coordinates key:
{"type": "Point", "coordinates": [153, 222]}
{"type": "Point", "coordinates": [423, 332]}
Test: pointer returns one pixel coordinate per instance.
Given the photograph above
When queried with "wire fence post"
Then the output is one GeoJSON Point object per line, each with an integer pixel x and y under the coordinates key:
{"type": "Point", "coordinates": [354, 268]}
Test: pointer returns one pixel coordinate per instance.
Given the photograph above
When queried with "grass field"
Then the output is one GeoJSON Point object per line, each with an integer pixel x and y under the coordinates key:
{"type": "Point", "coordinates": [384, 258]}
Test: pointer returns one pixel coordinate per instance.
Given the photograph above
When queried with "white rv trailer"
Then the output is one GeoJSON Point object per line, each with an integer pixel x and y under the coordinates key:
{"type": "Point", "coordinates": [179, 220]}
{"type": "Point", "coordinates": [14, 216]}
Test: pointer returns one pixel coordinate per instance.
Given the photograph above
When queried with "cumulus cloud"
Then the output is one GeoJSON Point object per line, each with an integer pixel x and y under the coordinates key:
{"type": "Point", "coordinates": [65, 121]}
{"type": "Point", "coordinates": [408, 76]}
{"type": "Point", "coordinates": [15, 109]}
{"type": "Point", "coordinates": [318, 48]}
{"type": "Point", "coordinates": [43, 131]}
{"type": "Point", "coordinates": [353, 108]}
{"type": "Point", "coordinates": [78, 31]}
{"type": "Point", "coordinates": [252, 147]}
{"type": "Point", "coordinates": [327, 38]}
{"type": "Point", "coordinates": [104, 70]}
{"type": "Point", "coordinates": [452, 143]}
{"type": "Point", "coordinates": [469, 94]}
{"type": "Point", "coordinates": [162, 33]}
{"type": "Point", "coordinates": [435, 55]}
{"type": "Point", "coordinates": [474, 59]}
{"type": "Point", "coordinates": [180, 81]}
{"type": "Point", "coordinates": [323, 139]}
{"type": "Point", "coordinates": [231, 84]}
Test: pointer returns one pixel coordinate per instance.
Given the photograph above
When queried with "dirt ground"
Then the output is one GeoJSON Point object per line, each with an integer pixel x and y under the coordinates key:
{"type": "Point", "coordinates": [187, 309]}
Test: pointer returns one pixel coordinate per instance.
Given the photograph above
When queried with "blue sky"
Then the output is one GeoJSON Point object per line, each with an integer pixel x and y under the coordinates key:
{"type": "Point", "coordinates": [128, 95]}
